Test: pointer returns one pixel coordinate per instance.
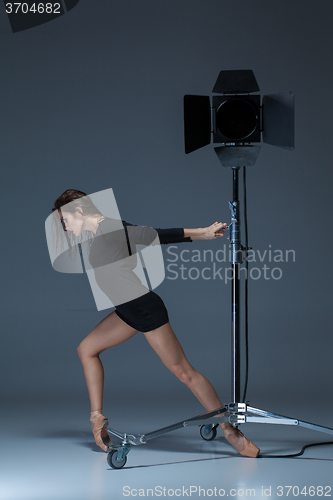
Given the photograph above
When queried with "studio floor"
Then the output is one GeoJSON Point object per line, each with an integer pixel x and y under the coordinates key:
{"type": "Point", "coordinates": [48, 453]}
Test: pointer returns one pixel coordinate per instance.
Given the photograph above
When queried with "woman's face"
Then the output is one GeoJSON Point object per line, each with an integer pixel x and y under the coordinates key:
{"type": "Point", "coordinates": [73, 222]}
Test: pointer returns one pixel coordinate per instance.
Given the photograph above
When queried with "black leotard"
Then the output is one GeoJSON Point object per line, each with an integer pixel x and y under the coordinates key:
{"type": "Point", "coordinates": [111, 244]}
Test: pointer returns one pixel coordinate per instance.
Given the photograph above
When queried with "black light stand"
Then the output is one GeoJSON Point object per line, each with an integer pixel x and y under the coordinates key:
{"type": "Point", "coordinates": [237, 259]}
{"type": "Point", "coordinates": [236, 252]}
{"type": "Point", "coordinates": [236, 119]}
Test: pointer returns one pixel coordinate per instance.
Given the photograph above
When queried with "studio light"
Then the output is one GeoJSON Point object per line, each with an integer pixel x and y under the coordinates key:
{"type": "Point", "coordinates": [237, 120]}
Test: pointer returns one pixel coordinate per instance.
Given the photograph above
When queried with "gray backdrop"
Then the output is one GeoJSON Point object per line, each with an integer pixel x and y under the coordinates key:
{"type": "Point", "coordinates": [93, 100]}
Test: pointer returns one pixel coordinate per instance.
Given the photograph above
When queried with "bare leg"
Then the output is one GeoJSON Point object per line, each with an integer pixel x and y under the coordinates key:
{"type": "Point", "coordinates": [110, 332]}
{"type": "Point", "coordinates": [166, 345]}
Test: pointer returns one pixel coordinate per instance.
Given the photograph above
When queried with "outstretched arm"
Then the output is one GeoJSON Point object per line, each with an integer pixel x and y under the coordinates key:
{"type": "Point", "coordinates": [175, 235]}
{"type": "Point", "coordinates": [216, 230]}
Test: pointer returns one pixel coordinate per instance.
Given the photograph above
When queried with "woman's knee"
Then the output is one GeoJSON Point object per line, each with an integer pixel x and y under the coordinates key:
{"type": "Point", "coordinates": [184, 374]}
{"type": "Point", "coordinates": [84, 351]}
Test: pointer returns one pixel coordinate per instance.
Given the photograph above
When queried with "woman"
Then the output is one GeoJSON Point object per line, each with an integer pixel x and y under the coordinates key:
{"type": "Point", "coordinates": [146, 312]}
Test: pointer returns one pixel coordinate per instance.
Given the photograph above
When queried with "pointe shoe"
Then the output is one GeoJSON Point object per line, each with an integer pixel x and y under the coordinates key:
{"type": "Point", "coordinates": [237, 439]}
{"type": "Point", "coordinates": [99, 428]}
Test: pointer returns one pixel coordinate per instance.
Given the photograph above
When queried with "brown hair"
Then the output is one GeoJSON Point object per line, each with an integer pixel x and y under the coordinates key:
{"type": "Point", "coordinates": [72, 198]}
{"type": "Point", "coordinates": [76, 199]}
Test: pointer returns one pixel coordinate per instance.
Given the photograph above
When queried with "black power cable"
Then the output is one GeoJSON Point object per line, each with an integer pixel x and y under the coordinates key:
{"type": "Point", "coordinates": [295, 454]}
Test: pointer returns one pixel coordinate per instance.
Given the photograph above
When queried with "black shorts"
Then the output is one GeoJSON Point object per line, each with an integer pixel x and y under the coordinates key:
{"type": "Point", "coordinates": [145, 313]}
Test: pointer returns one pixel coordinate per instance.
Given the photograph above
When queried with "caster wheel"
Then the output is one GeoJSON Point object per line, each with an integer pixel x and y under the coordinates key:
{"type": "Point", "coordinates": [208, 436]}
{"type": "Point", "coordinates": [112, 460]}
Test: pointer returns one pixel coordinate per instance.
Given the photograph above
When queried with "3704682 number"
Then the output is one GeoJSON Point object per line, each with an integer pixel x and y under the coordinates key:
{"type": "Point", "coordinates": [35, 8]}
{"type": "Point", "coordinates": [311, 491]}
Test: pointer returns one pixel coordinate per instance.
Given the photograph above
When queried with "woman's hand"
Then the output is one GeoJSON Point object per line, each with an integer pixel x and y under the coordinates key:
{"type": "Point", "coordinates": [216, 230]}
